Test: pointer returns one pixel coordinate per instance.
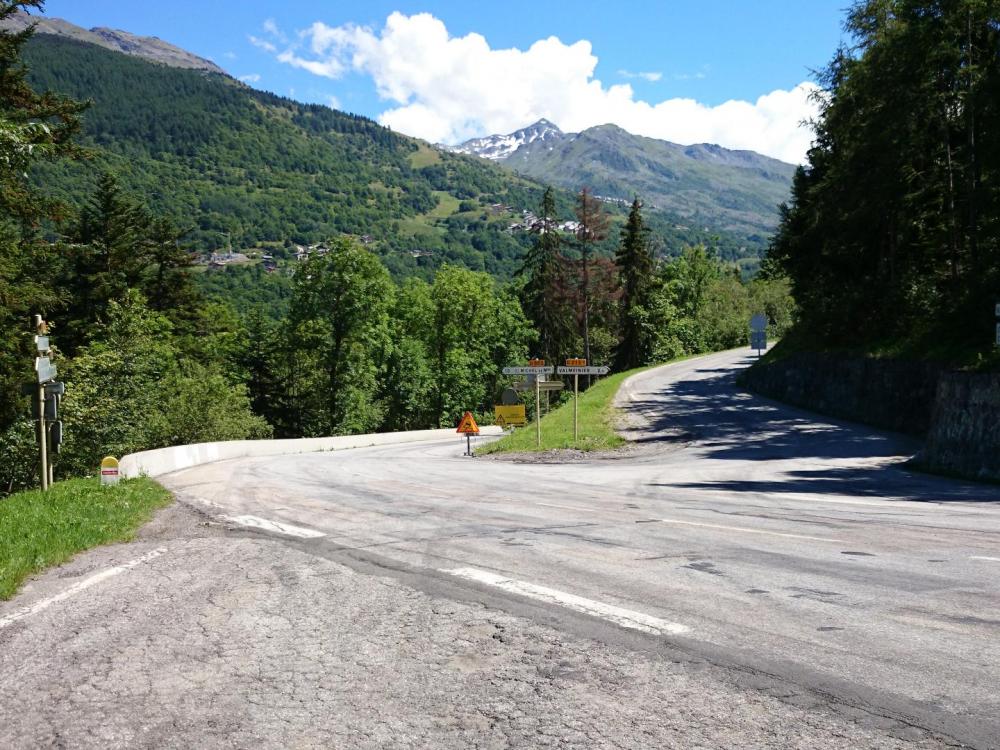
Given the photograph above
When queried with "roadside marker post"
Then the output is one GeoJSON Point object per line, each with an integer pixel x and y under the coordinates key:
{"type": "Point", "coordinates": [577, 367]}
{"type": "Point", "coordinates": [109, 471]}
{"type": "Point", "coordinates": [468, 427]}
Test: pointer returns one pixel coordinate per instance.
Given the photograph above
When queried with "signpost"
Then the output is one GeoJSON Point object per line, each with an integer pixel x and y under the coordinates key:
{"type": "Point", "coordinates": [758, 332]}
{"type": "Point", "coordinates": [45, 372]}
{"type": "Point", "coordinates": [535, 367]}
{"type": "Point", "coordinates": [468, 427]}
{"type": "Point", "coordinates": [577, 367]}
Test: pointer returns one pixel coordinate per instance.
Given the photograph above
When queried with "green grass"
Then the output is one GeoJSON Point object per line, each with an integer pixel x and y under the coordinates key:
{"type": "Point", "coordinates": [597, 418]}
{"type": "Point", "coordinates": [424, 156]}
{"type": "Point", "coordinates": [42, 529]}
{"type": "Point", "coordinates": [447, 205]}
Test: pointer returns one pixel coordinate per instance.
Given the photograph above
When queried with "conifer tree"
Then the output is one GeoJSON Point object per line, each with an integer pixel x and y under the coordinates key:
{"type": "Point", "coordinates": [635, 269]}
{"type": "Point", "coordinates": [593, 228]}
{"type": "Point", "coordinates": [32, 127]}
{"type": "Point", "coordinates": [108, 257]}
{"type": "Point", "coordinates": [543, 296]}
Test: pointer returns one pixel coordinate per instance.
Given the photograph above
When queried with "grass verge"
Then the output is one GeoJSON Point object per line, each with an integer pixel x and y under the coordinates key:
{"type": "Point", "coordinates": [42, 529]}
{"type": "Point", "coordinates": [597, 418]}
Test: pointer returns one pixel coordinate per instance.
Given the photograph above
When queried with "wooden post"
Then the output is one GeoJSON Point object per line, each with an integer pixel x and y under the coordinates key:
{"type": "Point", "coordinates": [576, 402]}
{"type": "Point", "coordinates": [43, 463]}
{"type": "Point", "coordinates": [538, 413]}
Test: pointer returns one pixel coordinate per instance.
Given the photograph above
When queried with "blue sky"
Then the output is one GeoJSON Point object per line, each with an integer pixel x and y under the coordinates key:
{"type": "Point", "coordinates": [425, 75]}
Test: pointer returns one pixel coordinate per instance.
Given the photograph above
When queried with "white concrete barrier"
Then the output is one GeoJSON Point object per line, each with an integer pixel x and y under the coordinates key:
{"type": "Point", "coordinates": [165, 460]}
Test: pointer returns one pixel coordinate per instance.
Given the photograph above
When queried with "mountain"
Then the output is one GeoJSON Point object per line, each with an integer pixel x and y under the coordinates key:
{"type": "Point", "coordinates": [703, 185]}
{"type": "Point", "coordinates": [499, 147]}
{"type": "Point", "coordinates": [248, 168]}
{"type": "Point", "coordinates": [260, 171]}
{"type": "Point", "coordinates": [147, 47]}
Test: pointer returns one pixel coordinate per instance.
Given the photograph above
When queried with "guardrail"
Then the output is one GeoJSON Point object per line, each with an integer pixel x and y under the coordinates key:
{"type": "Point", "coordinates": [165, 460]}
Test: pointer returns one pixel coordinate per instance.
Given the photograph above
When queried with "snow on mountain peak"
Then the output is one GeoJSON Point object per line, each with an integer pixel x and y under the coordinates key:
{"type": "Point", "coordinates": [497, 147]}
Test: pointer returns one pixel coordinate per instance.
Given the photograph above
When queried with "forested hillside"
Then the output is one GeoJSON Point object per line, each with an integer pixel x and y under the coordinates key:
{"type": "Point", "coordinates": [207, 149]}
{"type": "Point", "coordinates": [245, 167]}
{"type": "Point", "coordinates": [892, 238]}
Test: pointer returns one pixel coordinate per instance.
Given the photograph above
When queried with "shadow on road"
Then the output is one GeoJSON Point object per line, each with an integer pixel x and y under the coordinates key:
{"type": "Point", "coordinates": [728, 423]}
{"type": "Point", "coordinates": [891, 482]}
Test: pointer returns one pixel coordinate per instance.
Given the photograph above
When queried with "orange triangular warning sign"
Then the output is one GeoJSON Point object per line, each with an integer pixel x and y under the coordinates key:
{"type": "Point", "coordinates": [468, 424]}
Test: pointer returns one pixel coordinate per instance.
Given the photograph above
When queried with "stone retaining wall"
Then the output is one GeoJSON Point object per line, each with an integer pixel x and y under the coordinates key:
{"type": "Point", "coordinates": [957, 413]}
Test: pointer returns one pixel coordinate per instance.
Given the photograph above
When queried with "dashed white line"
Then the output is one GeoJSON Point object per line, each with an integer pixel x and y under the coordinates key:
{"type": "Point", "coordinates": [988, 559]}
{"type": "Point", "coordinates": [77, 588]}
{"type": "Point", "coordinates": [626, 618]}
{"type": "Point", "coordinates": [745, 530]}
{"type": "Point", "coordinates": [255, 522]}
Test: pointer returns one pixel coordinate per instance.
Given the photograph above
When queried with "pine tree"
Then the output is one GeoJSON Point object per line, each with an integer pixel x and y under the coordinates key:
{"type": "Point", "coordinates": [108, 257]}
{"type": "Point", "coordinates": [635, 268]}
{"type": "Point", "coordinates": [543, 296]}
{"type": "Point", "coordinates": [892, 230]}
{"type": "Point", "coordinates": [168, 285]}
{"type": "Point", "coordinates": [32, 127]}
{"type": "Point", "coordinates": [593, 228]}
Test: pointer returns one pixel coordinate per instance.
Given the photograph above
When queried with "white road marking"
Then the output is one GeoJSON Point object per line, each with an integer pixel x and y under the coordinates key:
{"type": "Point", "coordinates": [77, 588]}
{"type": "Point", "coordinates": [751, 531]}
{"type": "Point", "coordinates": [624, 617]}
{"type": "Point", "coordinates": [980, 557]}
{"type": "Point", "coordinates": [254, 522]}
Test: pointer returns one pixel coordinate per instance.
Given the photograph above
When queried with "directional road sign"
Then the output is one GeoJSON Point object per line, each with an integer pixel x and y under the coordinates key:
{"type": "Point", "coordinates": [45, 369]}
{"type": "Point", "coordinates": [545, 385]}
{"type": "Point", "coordinates": [589, 370]}
{"type": "Point", "coordinates": [543, 370]}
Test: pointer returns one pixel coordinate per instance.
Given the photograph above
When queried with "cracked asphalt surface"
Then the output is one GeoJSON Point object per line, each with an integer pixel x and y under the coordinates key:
{"type": "Point", "coordinates": [830, 597]}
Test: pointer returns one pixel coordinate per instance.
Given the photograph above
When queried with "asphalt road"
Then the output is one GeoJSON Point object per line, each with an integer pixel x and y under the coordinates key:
{"type": "Point", "coordinates": [746, 575]}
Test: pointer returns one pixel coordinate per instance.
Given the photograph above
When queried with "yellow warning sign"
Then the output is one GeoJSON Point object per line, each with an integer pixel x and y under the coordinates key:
{"type": "Point", "coordinates": [512, 415]}
{"type": "Point", "coordinates": [468, 424]}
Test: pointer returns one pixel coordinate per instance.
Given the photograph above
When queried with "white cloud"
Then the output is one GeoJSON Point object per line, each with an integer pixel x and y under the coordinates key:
{"type": "Point", "coordinates": [333, 101]}
{"type": "Point", "coordinates": [329, 68]}
{"type": "Point", "coordinates": [229, 55]}
{"type": "Point", "coordinates": [250, 78]}
{"type": "Point", "coordinates": [272, 28]}
{"type": "Point", "coordinates": [448, 89]}
{"type": "Point", "coordinates": [652, 77]}
{"type": "Point", "coordinates": [262, 44]}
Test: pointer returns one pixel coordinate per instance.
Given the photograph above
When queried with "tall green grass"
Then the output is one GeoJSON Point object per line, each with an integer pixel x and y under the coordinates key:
{"type": "Point", "coordinates": [42, 529]}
